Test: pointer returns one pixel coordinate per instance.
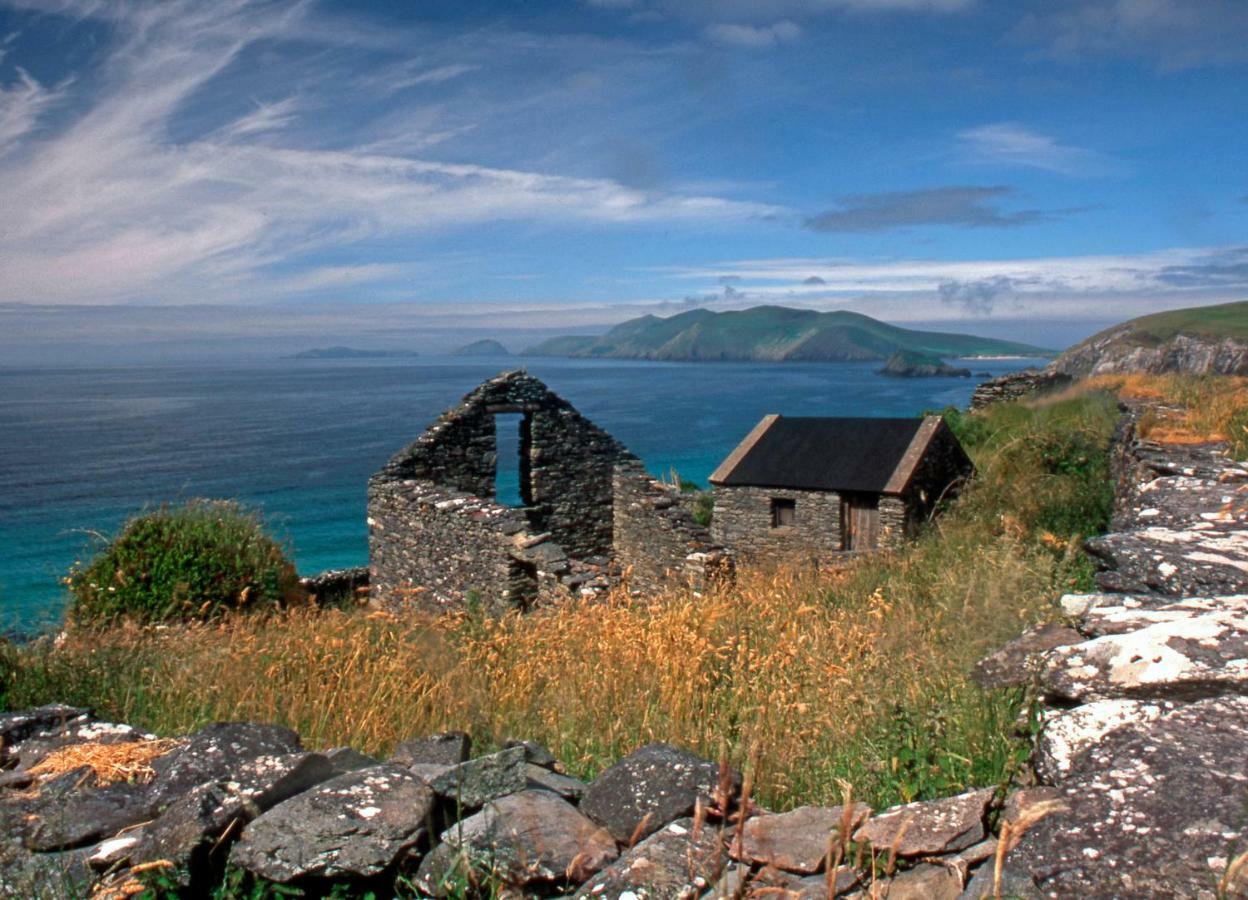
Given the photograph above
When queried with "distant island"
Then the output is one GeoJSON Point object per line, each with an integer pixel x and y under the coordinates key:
{"type": "Point", "coordinates": [772, 334]}
{"type": "Point", "coordinates": [485, 347]}
{"type": "Point", "coordinates": [351, 353]}
{"type": "Point", "coordinates": [906, 364]}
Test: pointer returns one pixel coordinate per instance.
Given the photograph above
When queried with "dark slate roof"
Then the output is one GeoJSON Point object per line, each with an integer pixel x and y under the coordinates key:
{"type": "Point", "coordinates": [825, 454]}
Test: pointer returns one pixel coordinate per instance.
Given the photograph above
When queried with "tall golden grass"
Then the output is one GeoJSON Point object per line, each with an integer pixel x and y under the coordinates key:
{"type": "Point", "coordinates": [859, 675]}
{"type": "Point", "coordinates": [1199, 409]}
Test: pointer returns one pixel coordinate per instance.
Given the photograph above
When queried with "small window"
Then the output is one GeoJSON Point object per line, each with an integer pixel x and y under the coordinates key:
{"type": "Point", "coordinates": [783, 512]}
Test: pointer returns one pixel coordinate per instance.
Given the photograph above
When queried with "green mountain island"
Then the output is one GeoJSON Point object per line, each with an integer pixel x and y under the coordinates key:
{"type": "Point", "coordinates": [1202, 340]}
{"type": "Point", "coordinates": [486, 347]}
{"type": "Point", "coordinates": [772, 334]}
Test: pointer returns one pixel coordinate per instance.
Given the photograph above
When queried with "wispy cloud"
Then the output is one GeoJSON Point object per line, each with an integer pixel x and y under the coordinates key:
{"type": "Point", "coordinates": [1175, 34]}
{"type": "Point", "coordinates": [1010, 144]}
{"type": "Point", "coordinates": [265, 117]}
{"type": "Point", "coordinates": [972, 283]}
{"type": "Point", "coordinates": [108, 207]}
{"type": "Point", "coordinates": [754, 36]}
{"type": "Point", "coordinates": [959, 206]}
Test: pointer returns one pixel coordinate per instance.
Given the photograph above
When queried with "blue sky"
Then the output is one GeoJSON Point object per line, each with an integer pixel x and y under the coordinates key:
{"type": "Point", "coordinates": [402, 171]}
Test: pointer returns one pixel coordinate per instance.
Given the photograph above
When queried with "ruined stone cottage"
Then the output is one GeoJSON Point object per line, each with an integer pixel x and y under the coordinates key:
{"type": "Point", "coordinates": [589, 512]}
{"type": "Point", "coordinates": [818, 488]}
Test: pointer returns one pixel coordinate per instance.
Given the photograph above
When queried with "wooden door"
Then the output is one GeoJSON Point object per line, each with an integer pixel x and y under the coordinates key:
{"type": "Point", "coordinates": [860, 521]}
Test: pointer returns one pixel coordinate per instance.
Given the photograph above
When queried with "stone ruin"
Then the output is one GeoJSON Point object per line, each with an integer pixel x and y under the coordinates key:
{"type": "Point", "coordinates": [589, 513]}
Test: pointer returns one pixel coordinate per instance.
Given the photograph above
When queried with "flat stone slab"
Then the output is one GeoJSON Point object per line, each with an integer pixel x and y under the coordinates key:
{"type": "Point", "coordinates": [924, 882]}
{"type": "Point", "coordinates": [649, 788]}
{"type": "Point", "coordinates": [210, 813]}
{"type": "Point", "coordinates": [1175, 562]}
{"type": "Point", "coordinates": [1184, 501]}
{"type": "Point", "coordinates": [1133, 613]}
{"type": "Point", "coordinates": [16, 727]}
{"type": "Point", "coordinates": [215, 753]}
{"type": "Point", "coordinates": [1069, 734]}
{"type": "Point", "coordinates": [1185, 658]}
{"type": "Point", "coordinates": [450, 748]}
{"type": "Point", "coordinates": [356, 825]}
{"type": "Point", "coordinates": [1019, 660]}
{"type": "Point", "coordinates": [929, 827]}
{"type": "Point", "coordinates": [472, 784]}
{"type": "Point", "coordinates": [521, 839]}
{"type": "Point", "coordinates": [1158, 816]}
{"type": "Point", "coordinates": [798, 841]}
{"type": "Point", "coordinates": [565, 786]}
{"type": "Point", "coordinates": [679, 860]}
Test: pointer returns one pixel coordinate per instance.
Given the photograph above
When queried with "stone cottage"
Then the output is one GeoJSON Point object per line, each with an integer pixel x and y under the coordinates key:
{"type": "Point", "coordinates": [818, 488]}
{"type": "Point", "coordinates": [588, 511]}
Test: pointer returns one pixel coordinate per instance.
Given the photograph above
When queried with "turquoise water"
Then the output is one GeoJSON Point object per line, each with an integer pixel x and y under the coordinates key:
{"type": "Point", "coordinates": [81, 449]}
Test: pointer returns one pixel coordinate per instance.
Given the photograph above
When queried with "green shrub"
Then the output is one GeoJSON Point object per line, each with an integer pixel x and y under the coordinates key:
{"type": "Point", "coordinates": [193, 561]}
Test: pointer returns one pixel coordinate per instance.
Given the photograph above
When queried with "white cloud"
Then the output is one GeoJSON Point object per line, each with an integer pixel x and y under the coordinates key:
{"type": "Point", "coordinates": [108, 207]}
{"type": "Point", "coordinates": [1073, 287]}
{"type": "Point", "coordinates": [754, 36]}
{"type": "Point", "coordinates": [21, 104]}
{"type": "Point", "coordinates": [265, 117]}
{"type": "Point", "coordinates": [1007, 143]}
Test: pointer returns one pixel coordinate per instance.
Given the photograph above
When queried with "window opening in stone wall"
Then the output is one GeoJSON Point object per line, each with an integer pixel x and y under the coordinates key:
{"type": "Point", "coordinates": [509, 474]}
{"type": "Point", "coordinates": [783, 512]}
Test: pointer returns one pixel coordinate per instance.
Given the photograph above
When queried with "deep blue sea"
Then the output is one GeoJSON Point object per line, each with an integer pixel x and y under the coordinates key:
{"type": "Point", "coordinates": [82, 449]}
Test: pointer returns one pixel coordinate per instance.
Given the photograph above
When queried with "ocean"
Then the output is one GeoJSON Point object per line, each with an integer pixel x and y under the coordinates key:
{"type": "Point", "coordinates": [82, 449]}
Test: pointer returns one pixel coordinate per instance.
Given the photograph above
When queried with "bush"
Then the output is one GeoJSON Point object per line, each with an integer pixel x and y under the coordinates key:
{"type": "Point", "coordinates": [194, 561]}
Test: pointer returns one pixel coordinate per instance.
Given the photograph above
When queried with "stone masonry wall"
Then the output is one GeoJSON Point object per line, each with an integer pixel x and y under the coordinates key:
{"type": "Point", "coordinates": [433, 547]}
{"type": "Point", "coordinates": [657, 540]}
{"type": "Point", "coordinates": [742, 522]}
{"type": "Point", "coordinates": [939, 475]}
{"type": "Point", "coordinates": [433, 522]}
{"type": "Point", "coordinates": [565, 466]}
{"type": "Point", "coordinates": [896, 522]}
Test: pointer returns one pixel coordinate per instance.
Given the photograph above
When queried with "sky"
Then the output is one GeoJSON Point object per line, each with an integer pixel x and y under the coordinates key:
{"type": "Point", "coordinates": [187, 178]}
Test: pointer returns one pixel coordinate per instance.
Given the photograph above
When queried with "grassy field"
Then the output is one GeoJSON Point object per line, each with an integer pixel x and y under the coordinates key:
{"type": "Point", "coordinates": [1226, 320]}
{"type": "Point", "coordinates": [856, 676]}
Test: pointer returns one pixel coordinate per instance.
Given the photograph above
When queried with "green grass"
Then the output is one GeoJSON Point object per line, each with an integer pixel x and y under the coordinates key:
{"type": "Point", "coordinates": [1226, 320]}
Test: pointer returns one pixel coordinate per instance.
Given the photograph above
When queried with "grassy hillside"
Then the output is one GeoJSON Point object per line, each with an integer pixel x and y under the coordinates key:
{"type": "Point", "coordinates": [1227, 320]}
{"type": "Point", "coordinates": [772, 333]}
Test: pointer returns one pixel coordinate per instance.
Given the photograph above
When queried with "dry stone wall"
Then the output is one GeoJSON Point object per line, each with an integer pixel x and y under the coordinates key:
{"type": "Point", "coordinates": [1017, 386]}
{"type": "Point", "coordinates": [657, 540]}
{"type": "Point", "coordinates": [1144, 779]}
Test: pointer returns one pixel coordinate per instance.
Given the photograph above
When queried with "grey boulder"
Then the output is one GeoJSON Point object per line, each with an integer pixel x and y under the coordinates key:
{"type": "Point", "coordinates": [930, 827]}
{"type": "Point", "coordinates": [532, 837]}
{"type": "Point", "coordinates": [649, 788]}
{"type": "Point", "coordinates": [356, 825]}
{"type": "Point", "coordinates": [679, 861]}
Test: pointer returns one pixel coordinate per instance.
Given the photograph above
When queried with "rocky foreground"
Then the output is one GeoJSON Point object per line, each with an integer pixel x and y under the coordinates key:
{"type": "Point", "coordinates": [1141, 758]}
{"type": "Point", "coordinates": [1140, 784]}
